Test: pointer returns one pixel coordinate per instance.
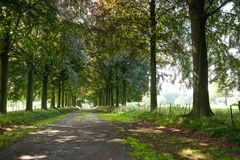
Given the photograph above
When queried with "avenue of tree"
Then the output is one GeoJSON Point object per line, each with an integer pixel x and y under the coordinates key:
{"type": "Point", "coordinates": [109, 52]}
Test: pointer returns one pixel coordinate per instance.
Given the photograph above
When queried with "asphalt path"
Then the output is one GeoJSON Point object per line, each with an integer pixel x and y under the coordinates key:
{"type": "Point", "coordinates": [75, 137]}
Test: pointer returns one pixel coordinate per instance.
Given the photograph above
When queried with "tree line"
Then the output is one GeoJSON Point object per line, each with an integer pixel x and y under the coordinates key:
{"type": "Point", "coordinates": [109, 52]}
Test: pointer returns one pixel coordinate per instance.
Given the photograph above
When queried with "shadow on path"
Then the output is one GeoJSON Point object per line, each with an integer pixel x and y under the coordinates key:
{"type": "Point", "coordinates": [73, 138]}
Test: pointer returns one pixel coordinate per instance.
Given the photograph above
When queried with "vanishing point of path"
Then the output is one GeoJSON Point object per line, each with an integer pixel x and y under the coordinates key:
{"type": "Point", "coordinates": [75, 137]}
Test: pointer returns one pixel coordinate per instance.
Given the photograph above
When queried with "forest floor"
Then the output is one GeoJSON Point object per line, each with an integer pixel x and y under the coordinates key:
{"type": "Point", "coordinates": [79, 136]}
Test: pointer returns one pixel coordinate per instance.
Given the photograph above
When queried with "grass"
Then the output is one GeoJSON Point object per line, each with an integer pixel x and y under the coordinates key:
{"type": "Point", "coordinates": [220, 125]}
{"type": "Point", "coordinates": [143, 151]}
{"type": "Point", "coordinates": [15, 125]}
{"type": "Point", "coordinates": [120, 117]}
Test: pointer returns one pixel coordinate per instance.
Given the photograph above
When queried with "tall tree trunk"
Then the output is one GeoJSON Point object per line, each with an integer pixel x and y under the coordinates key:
{"type": "Point", "coordinates": [107, 94]}
{"type": "Point", "coordinates": [111, 88]}
{"type": "Point", "coordinates": [59, 94]}
{"type": "Point", "coordinates": [29, 104]}
{"type": "Point", "coordinates": [117, 88]}
{"type": "Point", "coordinates": [4, 50]}
{"type": "Point", "coordinates": [66, 98]}
{"type": "Point", "coordinates": [63, 92]}
{"type": "Point", "coordinates": [198, 19]}
{"type": "Point", "coordinates": [44, 91]}
{"type": "Point", "coordinates": [124, 95]}
{"type": "Point", "coordinates": [153, 55]}
{"type": "Point", "coordinates": [103, 97]}
{"type": "Point", "coordinates": [74, 101]}
{"type": "Point", "coordinates": [53, 98]}
{"type": "Point", "coordinates": [100, 98]}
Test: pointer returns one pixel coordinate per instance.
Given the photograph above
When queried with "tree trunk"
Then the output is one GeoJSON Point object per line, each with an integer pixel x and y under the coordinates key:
{"type": "Point", "coordinates": [44, 91]}
{"type": "Point", "coordinates": [103, 97]}
{"type": "Point", "coordinates": [124, 96]}
{"type": "Point", "coordinates": [53, 98]}
{"type": "Point", "coordinates": [29, 104]}
{"type": "Point", "coordinates": [63, 92]}
{"type": "Point", "coordinates": [198, 19]}
{"type": "Point", "coordinates": [107, 94]}
{"type": "Point", "coordinates": [153, 55]}
{"type": "Point", "coordinates": [59, 94]}
{"type": "Point", "coordinates": [117, 88]}
{"type": "Point", "coordinates": [74, 101]}
{"type": "Point", "coordinates": [4, 50]}
{"type": "Point", "coordinates": [111, 89]}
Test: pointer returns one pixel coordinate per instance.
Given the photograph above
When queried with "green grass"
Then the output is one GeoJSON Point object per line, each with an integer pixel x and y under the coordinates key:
{"type": "Point", "coordinates": [219, 125]}
{"type": "Point", "coordinates": [18, 124]}
{"type": "Point", "coordinates": [120, 117]}
{"type": "Point", "coordinates": [143, 151]}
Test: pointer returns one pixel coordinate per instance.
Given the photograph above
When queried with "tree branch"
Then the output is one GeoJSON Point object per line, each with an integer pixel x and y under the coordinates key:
{"type": "Point", "coordinates": [218, 9]}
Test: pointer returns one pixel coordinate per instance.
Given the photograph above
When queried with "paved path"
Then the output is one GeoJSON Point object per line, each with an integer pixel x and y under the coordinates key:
{"type": "Point", "coordinates": [73, 138]}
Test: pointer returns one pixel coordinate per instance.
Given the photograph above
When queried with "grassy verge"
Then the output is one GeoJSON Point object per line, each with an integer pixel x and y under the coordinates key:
{"type": "Point", "coordinates": [143, 151]}
{"type": "Point", "coordinates": [15, 125]}
{"type": "Point", "coordinates": [220, 125]}
{"type": "Point", "coordinates": [175, 143]}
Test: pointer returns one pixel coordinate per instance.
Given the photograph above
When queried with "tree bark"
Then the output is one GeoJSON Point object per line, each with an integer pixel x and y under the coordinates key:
{"type": "Point", "coordinates": [63, 93]}
{"type": "Point", "coordinates": [29, 104]}
{"type": "Point", "coordinates": [4, 50]}
{"type": "Point", "coordinates": [111, 89]}
{"type": "Point", "coordinates": [53, 98]}
{"type": "Point", "coordinates": [59, 94]}
{"type": "Point", "coordinates": [74, 101]}
{"type": "Point", "coordinates": [198, 19]}
{"type": "Point", "coordinates": [44, 91]}
{"type": "Point", "coordinates": [117, 88]}
{"type": "Point", "coordinates": [124, 96]}
{"type": "Point", "coordinates": [153, 55]}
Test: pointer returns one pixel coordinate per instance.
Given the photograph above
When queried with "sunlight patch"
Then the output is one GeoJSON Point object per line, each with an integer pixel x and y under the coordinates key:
{"type": "Point", "coordinates": [192, 154]}
{"type": "Point", "coordinates": [203, 144]}
{"type": "Point", "coordinates": [145, 130]}
{"type": "Point", "coordinates": [28, 157]}
{"type": "Point", "coordinates": [174, 130]}
{"type": "Point", "coordinates": [161, 127]}
{"type": "Point", "coordinates": [48, 131]}
{"type": "Point", "coordinates": [116, 140]}
{"type": "Point", "coordinates": [65, 139]}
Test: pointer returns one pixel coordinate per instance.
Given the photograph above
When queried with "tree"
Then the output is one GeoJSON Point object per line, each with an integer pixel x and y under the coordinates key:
{"type": "Point", "coordinates": [199, 15]}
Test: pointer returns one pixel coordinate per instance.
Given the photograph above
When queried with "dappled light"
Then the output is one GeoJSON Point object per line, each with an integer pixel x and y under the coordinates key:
{"type": "Point", "coordinates": [63, 139]}
{"type": "Point", "coordinates": [193, 154]}
{"type": "Point", "coordinates": [48, 132]}
{"type": "Point", "coordinates": [84, 136]}
{"type": "Point", "coordinates": [34, 157]}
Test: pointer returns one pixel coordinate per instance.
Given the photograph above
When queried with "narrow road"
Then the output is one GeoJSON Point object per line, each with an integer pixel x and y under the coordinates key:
{"type": "Point", "coordinates": [73, 138]}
